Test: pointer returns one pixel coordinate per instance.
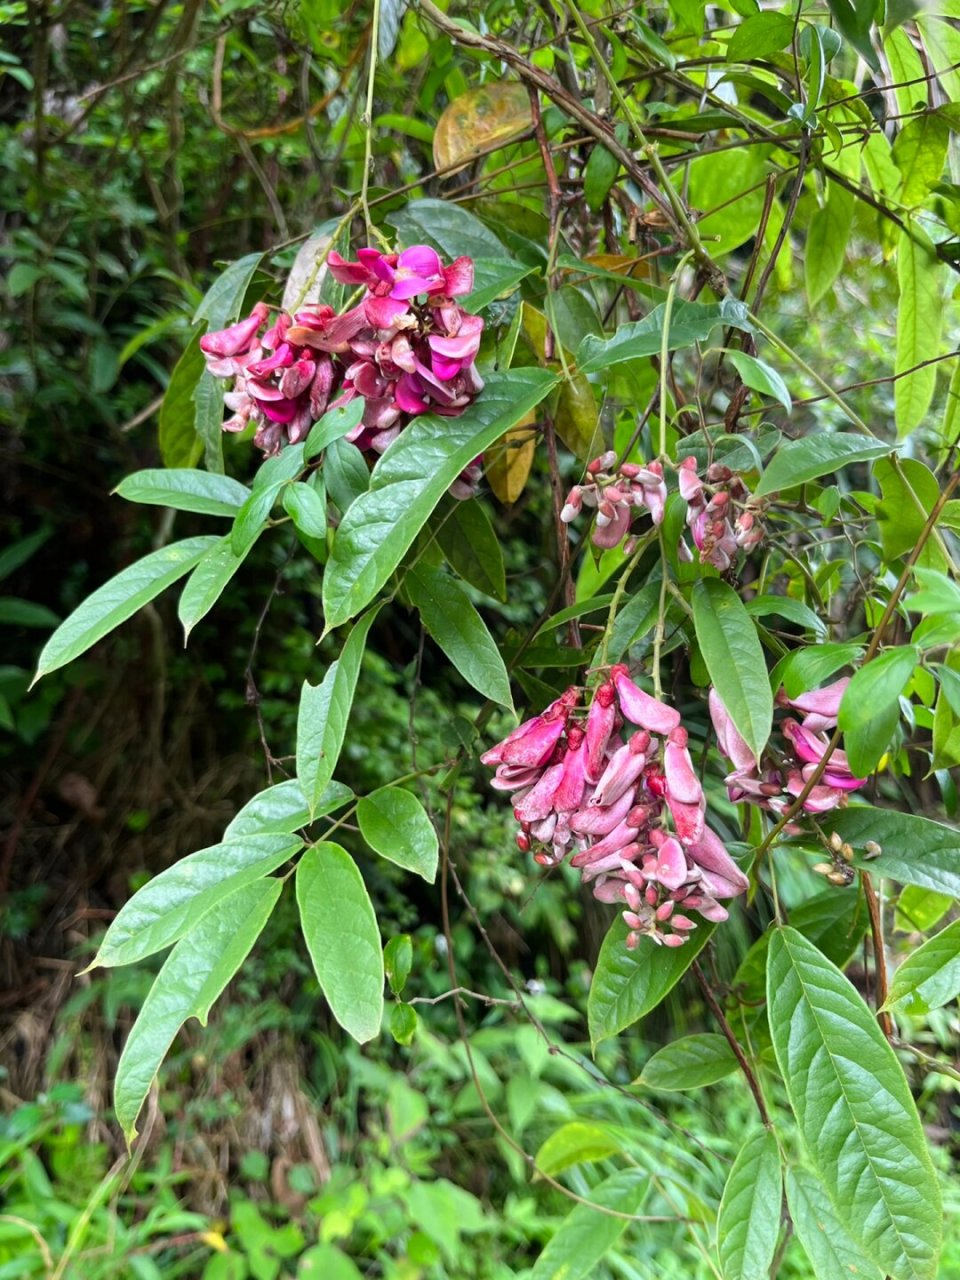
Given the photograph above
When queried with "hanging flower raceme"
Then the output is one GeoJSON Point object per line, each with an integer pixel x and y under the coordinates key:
{"type": "Point", "coordinates": [629, 809]}
{"type": "Point", "coordinates": [407, 348]}
{"type": "Point", "coordinates": [775, 781]}
{"type": "Point", "coordinates": [722, 515]}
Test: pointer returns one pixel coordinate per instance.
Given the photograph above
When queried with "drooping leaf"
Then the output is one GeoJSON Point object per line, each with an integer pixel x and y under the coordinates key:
{"type": "Point", "coordinates": [854, 19]}
{"type": "Point", "coordinates": [208, 420]}
{"type": "Point", "coordinates": [510, 460]}
{"type": "Point", "coordinates": [914, 850]}
{"type": "Point", "coordinates": [919, 322]}
{"type": "Point", "coordinates": [192, 978]}
{"type": "Point", "coordinates": [690, 322]}
{"type": "Point", "coordinates": [185, 489]}
{"type": "Point", "coordinates": [176, 421]}
{"type": "Point", "coordinates": [808, 668]}
{"type": "Point", "coordinates": [749, 1220]}
{"type": "Point", "coordinates": [119, 599]}
{"type": "Point", "coordinates": [306, 508]}
{"type": "Point", "coordinates": [450, 618]}
{"type": "Point", "coordinates": [820, 1229]}
{"type": "Point", "coordinates": [282, 807]}
{"type": "Point", "coordinates": [876, 686]}
{"type": "Point", "coordinates": [827, 242]}
{"type": "Point", "coordinates": [628, 984]}
{"type": "Point", "coordinates": [472, 548]}
{"type": "Point", "coordinates": [731, 649]}
{"type": "Point", "coordinates": [759, 376]}
{"type": "Point", "coordinates": [585, 1235]}
{"type": "Point", "coordinates": [854, 1110]}
{"type": "Point", "coordinates": [207, 583]}
{"type": "Point", "coordinates": [409, 481]}
{"type": "Point", "coordinates": [930, 976]}
{"type": "Point", "coordinates": [172, 902]}
{"type": "Point", "coordinates": [342, 937]}
{"type": "Point", "coordinates": [813, 456]}
{"type": "Point", "coordinates": [323, 715]}
{"type": "Point", "coordinates": [395, 824]}
{"type": "Point", "coordinates": [908, 493]}
{"type": "Point", "coordinates": [920, 152]}
{"type": "Point", "coordinates": [689, 1063]}
{"type": "Point", "coordinates": [345, 473]}
{"type": "Point", "coordinates": [398, 961]}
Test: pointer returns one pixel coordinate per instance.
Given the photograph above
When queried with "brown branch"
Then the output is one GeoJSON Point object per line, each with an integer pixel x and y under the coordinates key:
{"type": "Point", "coordinates": [732, 1041]}
{"type": "Point", "coordinates": [879, 953]}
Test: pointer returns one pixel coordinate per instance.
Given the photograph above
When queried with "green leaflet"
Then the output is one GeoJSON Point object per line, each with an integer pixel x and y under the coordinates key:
{"type": "Point", "coordinates": [179, 443]}
{"type": "Point", "coordinates": [119, 599]}
{"type": "Point", "coordinates": [930, 976]}
{"type": "Point", "coordinates": [450, 618]}
{"type": "Point", "coordinates": [575, 1143]}
{"type": "Point", "coordinates": [853, 1108]}
{"type": "Point", "coordinates": [192, 978]}
{"type": "Point", "coordinates": [409, 481]}
{"type": "Point", "coordinates": [759, 376]}
{"type": "Point", "coordinates": [690, 322]}
{"type": "Point", "coordinates": [816, 455]}
{"type": "Point", "coordinates": [827, 242]}
{"type": "Point", "coordinates": [689, 1063]}
{"type": "Point", "coordinates": [919, 322]}
{"type": "Point", "coordinates": [585, 1235]}
{"type": "Point", "coordinates": [628, 984]}
{"type": "Point", "coordinates": [471, 546]}
{"type": "Point", "coordinates": [394, 823]}
{"type": "Point", "coordinates": [731, 649]}
{"type": "Point", "coordinates": [323, 715]}
{"type": "Point", "coordinates": [282, 807]}
{"type": "Point", "coordinates": [915, 850]}
{"type": "Point", "coordinates": [207, 583]}
{"type": "Point", "coordinates": [876, 686]}
{"type": "Point", "coordinates": [342, 937]}
{"type": "Point", "coordinates": [170, 904]}
{"type": "Point", "coordinates": [185, 489]}
{"type": "Point", "coordinates": [446, 227]}
{"type": "Point", "coordinates": [827, 1242]}
{"type": "Point", "coordinates": [222, 302]}
{"type": "Point", "coordinates": [749, 1220]}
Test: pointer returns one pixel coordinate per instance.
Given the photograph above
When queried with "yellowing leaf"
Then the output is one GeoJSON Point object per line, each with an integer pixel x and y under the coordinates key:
{"type": "Point", "coordinates": [509, 461]}
{"type": "Point", "coordinates": [479, 119]}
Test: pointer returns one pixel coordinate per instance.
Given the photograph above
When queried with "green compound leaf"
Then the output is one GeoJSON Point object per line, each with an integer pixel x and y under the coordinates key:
{"type": "Point", "coordinates": [395, 824]}
{"type": "Point", "coordinates": [853, 1108]}
{"type": "Point", "coordinates": [749, 1220]}
{"type": "Point", "coordinates": [731, 649]}
{"type": "Point", "coordinates": [342, 937]}
{"type": "Point", "coordinates": [192, 978]}
{"type": "Point", "coordinates": [409, 481]}
{"type": "Point", "coordinates": [119, 599]}
{"type": "Point", "coordinates": [628, 984]}
{"type": "Point", "coordinates": [170, 904]}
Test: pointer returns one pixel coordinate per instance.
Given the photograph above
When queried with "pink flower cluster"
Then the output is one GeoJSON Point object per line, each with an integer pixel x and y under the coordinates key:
{"type": "Point", "coordinates": [407, 348]}
{"type": "Point", "coordinates": [579, 786]}
{"type": "Point", "coordinates": [721, 513]}
{"type": "Point", "coordinates": [774, 782]}
{"type": "Point", "coordinates": [617, 496]}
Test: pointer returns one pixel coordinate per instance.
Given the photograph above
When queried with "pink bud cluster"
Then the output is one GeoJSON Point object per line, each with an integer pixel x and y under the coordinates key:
{"type": "Point", "coordinates": [617, 496]}
{"type": "Point", "coordinates": [775, 781]}
{"type": "Point", "coordinates": [721, 514]}
{"type": "Point", "coordinates": [630, 810]}
{"type": "Point", "coordinates": [407, 348]}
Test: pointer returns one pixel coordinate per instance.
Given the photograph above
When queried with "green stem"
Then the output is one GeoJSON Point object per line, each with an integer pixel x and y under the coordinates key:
{"type": "Point", "coordinates": [618, 596]}
{"type": "Point", "coordinates": [665, 350]}
{"type": "Point", "coordinates": [372, 229]}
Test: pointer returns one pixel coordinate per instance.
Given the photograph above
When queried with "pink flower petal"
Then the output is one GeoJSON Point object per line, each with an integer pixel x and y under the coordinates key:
{"type": "Point", "coordinates": [639, 708]}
